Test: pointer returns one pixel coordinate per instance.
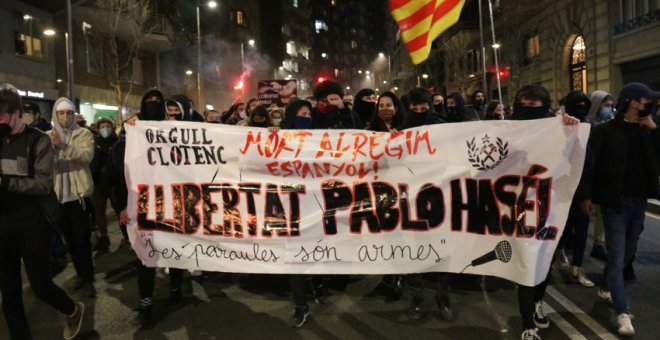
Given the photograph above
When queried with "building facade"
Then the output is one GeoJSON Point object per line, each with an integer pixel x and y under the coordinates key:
{"type": "Point", "coordinates": [564, 45]}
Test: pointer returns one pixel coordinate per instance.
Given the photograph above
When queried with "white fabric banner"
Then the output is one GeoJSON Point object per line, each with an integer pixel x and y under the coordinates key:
{"type": "Point", "coordinates": [487, 197]}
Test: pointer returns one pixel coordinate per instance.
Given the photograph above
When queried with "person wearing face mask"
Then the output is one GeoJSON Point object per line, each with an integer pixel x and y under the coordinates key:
{"type": "Point", "coordinates": [439, 103]}
{"type": "Point", "coordinates": [28, 210]}
{"type": "Point", "coordinates": [235, 114]}
{"type": "Point", "coordinates": [331, 112]}
{"type": "Point", "coordinates": [601, 111]}
{"type": "Point", "coordinates": [298, 116]}
{"type": "Point", "coordinates": [74, 150]}
{"type": "Point", "coordinates": [174, 110]}
{"type": "Point", "coordinates": [152, 106]}
{"type": "Point", "coordinates": [276, 117]}
{"type": "Point", "coordinates": [455, 110]}
{"type": "Point", "coordinates": [389, 114]}
{"type": "Point", "coordinates": [577, 105]}
{"type": "Point", "coordinates": [421, 113]}
{"type": "Point", "coordinates": [259, 117]}
{"type": "Point", "coordinates": [478, 105]}
{"type": "Point", "coordinates": [533, 102]}
{"type": "Point", "coordinates": [36, 120]}
{"type": "Point", "coordinates": [623, 176]}
{"type": "Point", "coordinates": [420, 109]}
{"type": "Point", "coordinates": [364, 105]}
{"type": "Point", "coordinates": [103, 142]}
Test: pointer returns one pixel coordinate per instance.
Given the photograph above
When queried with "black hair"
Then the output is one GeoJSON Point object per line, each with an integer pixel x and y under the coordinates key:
{"type": "Point", "coordinates": [322, 90]}
{"type": "Point", "coordinates": [399, 112]}
{"type": "Point", "coordinates": [291, 111]}
{"type": "Point", "coordinates": [420, 95]}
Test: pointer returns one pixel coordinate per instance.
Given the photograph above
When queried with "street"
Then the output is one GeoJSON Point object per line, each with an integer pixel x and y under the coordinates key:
{"type": "Point", "coordinates": [232, 306]}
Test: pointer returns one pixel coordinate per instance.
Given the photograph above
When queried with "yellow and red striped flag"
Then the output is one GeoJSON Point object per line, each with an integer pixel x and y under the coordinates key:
{"type": "Point", "coordinates": [421, 21]}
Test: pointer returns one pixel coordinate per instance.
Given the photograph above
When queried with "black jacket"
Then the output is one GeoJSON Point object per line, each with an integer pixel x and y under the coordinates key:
{"type": "Point", "coordinates": [603, 182]}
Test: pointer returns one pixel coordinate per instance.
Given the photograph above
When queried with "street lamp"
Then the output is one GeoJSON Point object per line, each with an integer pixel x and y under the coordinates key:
{"type": "Point", "coordinates": [211, 5]}
{"type": "Point", "coordinates": [251, 43]}
{"type": "Point", "coordinates": [389, 64]}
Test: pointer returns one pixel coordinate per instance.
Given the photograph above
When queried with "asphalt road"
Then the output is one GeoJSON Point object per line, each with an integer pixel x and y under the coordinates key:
{"type": "Point", "coordinates": [232, 306]}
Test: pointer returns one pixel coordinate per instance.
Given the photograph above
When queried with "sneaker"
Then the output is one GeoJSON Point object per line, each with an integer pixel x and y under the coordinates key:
{"type": "Point", "coordinates": [416, 312]}
{"type": "Point", "coordinates": [74, 322]}
{"type": "Point", "coordinates": [577, 276]}
{"type": "Point", "coordinates": [561, 259]}
{"type": "Point", "coordinates": [531, 334]}
{"type": "Point", "coordinates": [599, 252]}
{"type": "Point", "coordinates": [605, 295]}
{"type": "Point", "coordinates": [629, 274]}
{"type": "Point", "coordinates": [540, 320]}
{"type": "Point", "coordinates": [625, 325]}
{"type": "Point", "coordinates": [446, 312]}
{"type": "Point", "coordinates": [300, 316]}
{"type": "Point", "coordinates": [320, 293]}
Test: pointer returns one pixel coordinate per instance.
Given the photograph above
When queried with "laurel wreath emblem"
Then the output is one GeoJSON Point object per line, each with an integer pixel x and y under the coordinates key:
{"type": "Point", "coordinates": [474, 154]}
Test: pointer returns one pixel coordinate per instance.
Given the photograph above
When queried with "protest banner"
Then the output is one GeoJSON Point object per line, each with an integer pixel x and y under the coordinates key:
{"type": "Point", "coordinates": [487, 197]}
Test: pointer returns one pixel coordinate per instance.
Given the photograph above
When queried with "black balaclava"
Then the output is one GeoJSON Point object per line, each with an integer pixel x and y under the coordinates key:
{"type": "Point", "coordinates": [528, 112]}
{"type": "Point", "coordinates": [364, 109]}
{"type": "Point", "coordinates": [455, 113]}
{"type": "Point", "coordinates": [153, 110]}
{"type": "Point", "coordinates": [577, 105]}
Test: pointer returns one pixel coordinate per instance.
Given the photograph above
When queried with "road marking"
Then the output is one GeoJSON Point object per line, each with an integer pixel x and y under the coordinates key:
{"type": "Point", "coordinates": [580, 315]}
{"type": "Point", "coordinates": [564, 325]}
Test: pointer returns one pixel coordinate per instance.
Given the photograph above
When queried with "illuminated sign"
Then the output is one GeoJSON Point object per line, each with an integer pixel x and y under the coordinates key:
{"type": "Point", "coordinates": [31, 94]}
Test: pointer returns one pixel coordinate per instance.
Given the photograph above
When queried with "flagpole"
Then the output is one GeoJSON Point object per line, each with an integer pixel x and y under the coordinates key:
{"type": "Point", "coordinates": [483, 52]}
{"type": "Point", "coordinates": [495, 47]}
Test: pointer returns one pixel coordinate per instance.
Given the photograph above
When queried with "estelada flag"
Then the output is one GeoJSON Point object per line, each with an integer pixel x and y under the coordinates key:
{"type": "Point", "coordinates": [421, 21]}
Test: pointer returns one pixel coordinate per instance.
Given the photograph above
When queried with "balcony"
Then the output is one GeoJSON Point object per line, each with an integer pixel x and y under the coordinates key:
{"type": "Point", "coordinates": [638, 22]}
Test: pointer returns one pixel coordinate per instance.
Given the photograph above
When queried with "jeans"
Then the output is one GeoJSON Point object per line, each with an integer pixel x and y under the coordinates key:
{"type": "Point", "coordinates": [622, 230]}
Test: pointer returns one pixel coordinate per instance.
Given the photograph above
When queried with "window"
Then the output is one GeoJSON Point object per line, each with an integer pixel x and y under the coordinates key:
{"type": "Point", "coordinates": [295, 3]}
{"type": "Point", "coordinates": [578, 67]}
{"type": "Point", "coordinates": [291, 48]}
{"type": "Point", "coordinates": [533, 47]}
{"type": "Point", "coordinates": [320, 25]}
{"type": "Point", "coordinates": [354, 44]}
{"type": "Point", "coordinates": [28, 36]}
{"type": "Point", "coordinates": [333, 2]}
{"type": "Point", "coordinates": [240, 18]}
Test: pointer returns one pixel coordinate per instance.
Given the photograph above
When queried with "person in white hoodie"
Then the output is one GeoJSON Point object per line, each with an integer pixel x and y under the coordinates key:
{"type": "Point", "coordinates": [74, 150]}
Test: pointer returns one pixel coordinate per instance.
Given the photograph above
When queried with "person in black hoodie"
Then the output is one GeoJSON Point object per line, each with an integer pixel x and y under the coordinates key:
{"type": "Point", "coordinates": [364, 105]}
{"type": "Point", "coordinates": [477, 104]}
{"type": "Point", "coordinates": [421, 113]}
{"type": "Point", "coordinates": [533, 102]}
{"type": "Point", "coordinates": [577, 225]}
{"type": "Point", "coordinates": [420, 109]}
{"type": "Point", "coordinates": [331, 112]}
{"type": "Point", "coordinates": [455, 110]}
{"type": "Point", "coordinates": [152, 108]}
{"type": "Point", "coordinates": [189, 113]}
{"type": "Point", "coordinates": [103, 144]}
{"type": "Point", "coordinates": [623, 176]}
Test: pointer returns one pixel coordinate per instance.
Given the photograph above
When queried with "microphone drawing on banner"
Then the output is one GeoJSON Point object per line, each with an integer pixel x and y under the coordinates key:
{"type": "Point", "coordinates": [501, 252]}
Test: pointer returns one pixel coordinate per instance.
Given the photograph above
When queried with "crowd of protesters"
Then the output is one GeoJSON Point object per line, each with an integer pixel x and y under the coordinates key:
{"type": "Point", "coordinates": [60, 194]}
